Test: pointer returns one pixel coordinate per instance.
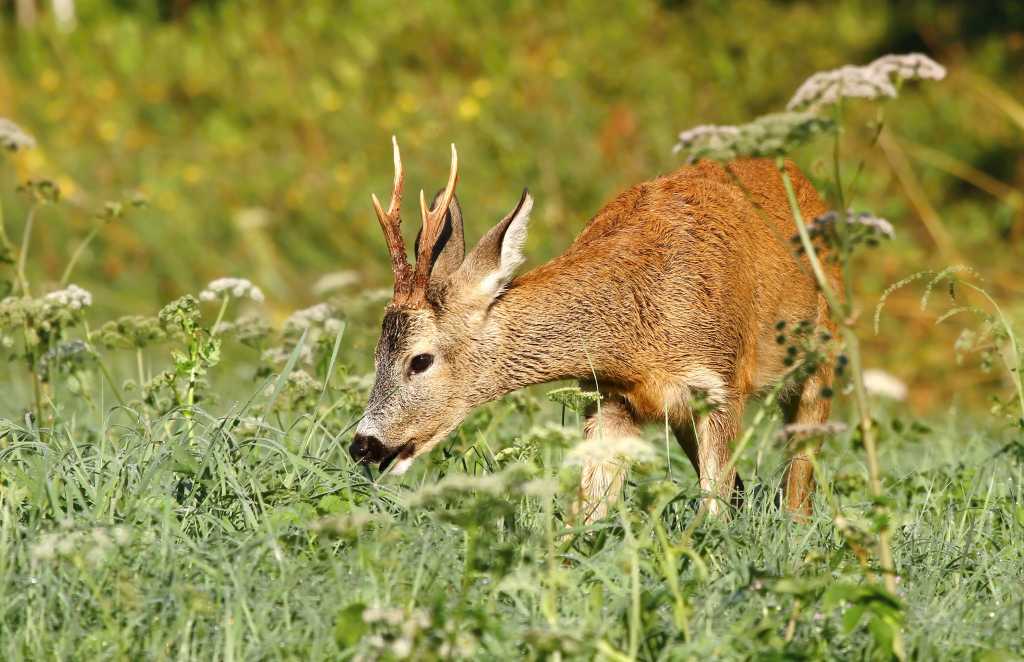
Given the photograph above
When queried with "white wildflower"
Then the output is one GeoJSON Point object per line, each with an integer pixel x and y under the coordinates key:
{"type": "Point", "coordinates": [607, 448]}
{"type": "Point", "coordinates": [121, 535]}
{"type": "Point", "coordinates": [303, 381]}
{"type": "Point", "coordinates": [46, 548]}
{"type": "Point", "coordinates": [768, 136]}
{"type": "Point", "coordinates": [392, 616]}
{"type": "Point", "coordinates": [280, 355]}
{"type": "Point", "coordinates": [319, 320]}
{"type": "Point", "coordinates": [314, 316]}
{"type": "Point", "coordinates": [710, 135]}
{"type": "Point", "coordinates": [13, 137]}
{"type": "Point", "coordinates": [333, 326]}
{"type": "Point", "coordinates": [876, 80]}
{"type": "Point", "coordinates": [910, 66]}
{"type": "Point", "coordinates": [335, 281]}
{"type": "Point", "coordinates": [238, 288]}
{"type": "Point", "coordinates": [70, 298]}
{"type": "Point", "coordinates": [875, 224]}
{"type": "Point", "coordinates": [885, 385]}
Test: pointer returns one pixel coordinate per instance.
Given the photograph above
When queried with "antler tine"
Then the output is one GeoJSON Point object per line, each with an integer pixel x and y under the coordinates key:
{"type": "Point", "coordinates": [433, 222]}
{"type": "Point", "coordinates": [390, 223]}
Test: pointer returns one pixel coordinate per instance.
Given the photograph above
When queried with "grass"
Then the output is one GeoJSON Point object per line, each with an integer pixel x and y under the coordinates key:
{"type": "Point", "coordinates": [175, 485]}
{"type": "Point", "coordinates": [121, 538]}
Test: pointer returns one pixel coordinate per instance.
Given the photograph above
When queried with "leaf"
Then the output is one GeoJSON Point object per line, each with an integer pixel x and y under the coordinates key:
{"type": "Point", "coordinates": [851, 618]}
{"type": "Point", "coordinates": [349, 626]}
{"type": "Point", "coordinates": [801, 585]}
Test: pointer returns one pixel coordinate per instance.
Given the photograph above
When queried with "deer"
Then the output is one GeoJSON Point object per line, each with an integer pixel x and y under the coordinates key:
{"type": "Point", "coordinates": [673, 291]}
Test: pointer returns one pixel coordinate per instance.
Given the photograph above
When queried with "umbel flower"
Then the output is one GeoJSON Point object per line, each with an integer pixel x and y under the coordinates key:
{"type": "Point", "coordinates": [72, 298]}
{"type": "Point", "coordinates": [237, 288]}
{"type": "Point", "coordinates": [878, 80]}
{"type": "Point", "coordinates": [13, 137]}
{"type": "Point", "coordinates": [768, 136]}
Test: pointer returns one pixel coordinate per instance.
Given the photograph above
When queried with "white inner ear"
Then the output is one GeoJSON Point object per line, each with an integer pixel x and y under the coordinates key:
{"type": "Point", "coordinates": [511, 251]}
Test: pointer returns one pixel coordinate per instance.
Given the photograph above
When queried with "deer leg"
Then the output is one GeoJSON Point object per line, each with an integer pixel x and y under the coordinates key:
{"type": "Point", "coordinates": [686, 435]}
{"type": "Point", "coordinates": [715, 431]}
{"type": "Point", "coordinates": [806, 406]}
{"type": "Point", "coordinates": [602, 478]}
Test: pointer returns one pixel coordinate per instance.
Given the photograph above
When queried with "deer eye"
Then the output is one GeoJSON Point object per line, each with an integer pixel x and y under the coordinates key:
{"type": "Point", "coordinates": [419, 363]}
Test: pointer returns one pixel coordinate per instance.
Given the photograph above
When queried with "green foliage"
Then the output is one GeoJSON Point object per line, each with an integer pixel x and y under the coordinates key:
{"type": "Point", "coordinates": [214, 512]}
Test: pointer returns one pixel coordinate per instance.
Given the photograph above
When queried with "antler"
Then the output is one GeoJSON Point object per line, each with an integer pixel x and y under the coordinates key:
{"type": "Point", "coordinates": [390, 223]}
{"type": "Point", "coordinates": [433, 223]}
{"type": "Point", "coordinates": [411, 287]}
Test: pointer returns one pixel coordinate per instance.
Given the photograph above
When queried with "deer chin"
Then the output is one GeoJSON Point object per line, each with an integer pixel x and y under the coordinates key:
{"type": "Point", "coordinates": [403, 457]}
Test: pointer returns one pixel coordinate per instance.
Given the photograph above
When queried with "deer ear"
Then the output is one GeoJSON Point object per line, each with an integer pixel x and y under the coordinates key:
{"type": "Point", "coordinates": [490, 266]}
{"type": "Point", "coordinates": [450, 249]}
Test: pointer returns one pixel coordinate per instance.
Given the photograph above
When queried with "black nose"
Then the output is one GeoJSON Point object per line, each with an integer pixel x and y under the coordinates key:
{"type": "Point", "coordinates": [366, 448]}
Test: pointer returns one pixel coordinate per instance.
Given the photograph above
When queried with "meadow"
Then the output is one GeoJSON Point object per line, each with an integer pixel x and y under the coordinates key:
{"type": "Point", "coordinates": [191, 280]}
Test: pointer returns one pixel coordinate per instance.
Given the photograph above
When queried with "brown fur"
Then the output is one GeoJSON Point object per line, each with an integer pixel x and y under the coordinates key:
{"type": "Point", "coordinates": [673, 289]}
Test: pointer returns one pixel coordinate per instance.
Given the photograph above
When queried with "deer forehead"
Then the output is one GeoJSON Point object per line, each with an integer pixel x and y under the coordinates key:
{"type": "Point", "coordinates": [406, 331]}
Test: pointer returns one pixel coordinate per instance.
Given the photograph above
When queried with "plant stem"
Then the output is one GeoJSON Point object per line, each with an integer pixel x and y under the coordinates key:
{"type": "Point", "coordinates": [23, 255]}
{"type": "Point", "coordinates": [220, 315]}
{"type": "Point", "coordinates": [77, 255]}
{"type": "Point", "coordinates": [860, 394]}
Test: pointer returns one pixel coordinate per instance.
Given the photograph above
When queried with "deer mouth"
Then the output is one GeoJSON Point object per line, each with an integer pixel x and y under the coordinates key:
{"type": "Point", "coordinates": [404, 451]}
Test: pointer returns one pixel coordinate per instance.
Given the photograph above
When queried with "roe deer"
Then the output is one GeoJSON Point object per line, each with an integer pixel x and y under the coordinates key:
{"type": "Point", "coordinates": [673, 289]}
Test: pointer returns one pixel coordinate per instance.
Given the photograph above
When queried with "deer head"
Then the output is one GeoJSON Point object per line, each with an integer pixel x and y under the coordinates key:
{"type": "Point", "coordinates": [435, 355]}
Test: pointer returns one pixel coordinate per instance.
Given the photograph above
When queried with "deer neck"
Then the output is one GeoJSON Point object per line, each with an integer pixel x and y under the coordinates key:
{"type": "Point", "coordinates": [538, 331]}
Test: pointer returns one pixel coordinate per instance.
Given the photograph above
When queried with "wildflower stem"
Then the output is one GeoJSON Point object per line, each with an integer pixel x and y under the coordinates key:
{"type": "Point", "coordinates": [853, 350]}
{"type": "Point", "coordinates": [30, 359]}
{"type": "Point", "coordinates": [26, 235]}
{"type": "Point", "coordinates": [805, 241]}
{"type": "Point", "coordinates": [220, 315]}
{"type": "Point", "coordinates": [77, 255]}
{"type": "Point", "coordinates": [6, 248]}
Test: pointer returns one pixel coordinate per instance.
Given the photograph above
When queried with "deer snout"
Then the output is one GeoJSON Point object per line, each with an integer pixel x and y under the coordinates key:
{"type": "Point", "coordinates": [366, 448]}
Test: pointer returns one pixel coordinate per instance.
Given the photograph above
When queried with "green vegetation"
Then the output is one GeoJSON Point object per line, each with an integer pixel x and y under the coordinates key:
{"type": "Point", "coordinates": [173, 480]}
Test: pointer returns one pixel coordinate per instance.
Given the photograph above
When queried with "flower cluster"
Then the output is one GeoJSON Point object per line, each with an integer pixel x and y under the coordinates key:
{"type": "Point", "coordinates": [321, 317]}
{"type": "Point", "coordinates": [13, 137]}
{"type": "Point", "coordinates": [397, 631]}
{"type": "Point", "coordinates": [249, 330]}
{"type": "Point", "coordinates": [67, 357]}
{"type": "Point", "coordinates": [877, 80]}
{"type": "Point", "coordinates": [43, 319]}
{"type": "Point", "coordinates": [130, 332]}
{"type": "Point", "coordinates": [238, 288]}
{"type": "Point", "coordinates": [861, 226]}
{"type": "Point", "coordinates": [72, 298]}
{"type": "Point", "coordinates": [608, 448]}
{"type": "Point", "coordinates": [93, 544]}
{"type": "Point", "coordinates": [768, 136]}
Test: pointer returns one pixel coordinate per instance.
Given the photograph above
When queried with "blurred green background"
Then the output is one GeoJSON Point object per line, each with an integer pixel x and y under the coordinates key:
{"type": "Point", "coordinates": [258, 130]}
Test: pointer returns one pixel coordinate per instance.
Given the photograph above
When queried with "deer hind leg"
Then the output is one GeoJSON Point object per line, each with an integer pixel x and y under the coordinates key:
{"type": "Point", "coordinates": [686, 435]}
{"type": "Point", "coordinates": [805, 406]}
{"type": "Point", "coordinates": [602, 476]}
{"type": "Point", "coordinates": [706, 441]}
